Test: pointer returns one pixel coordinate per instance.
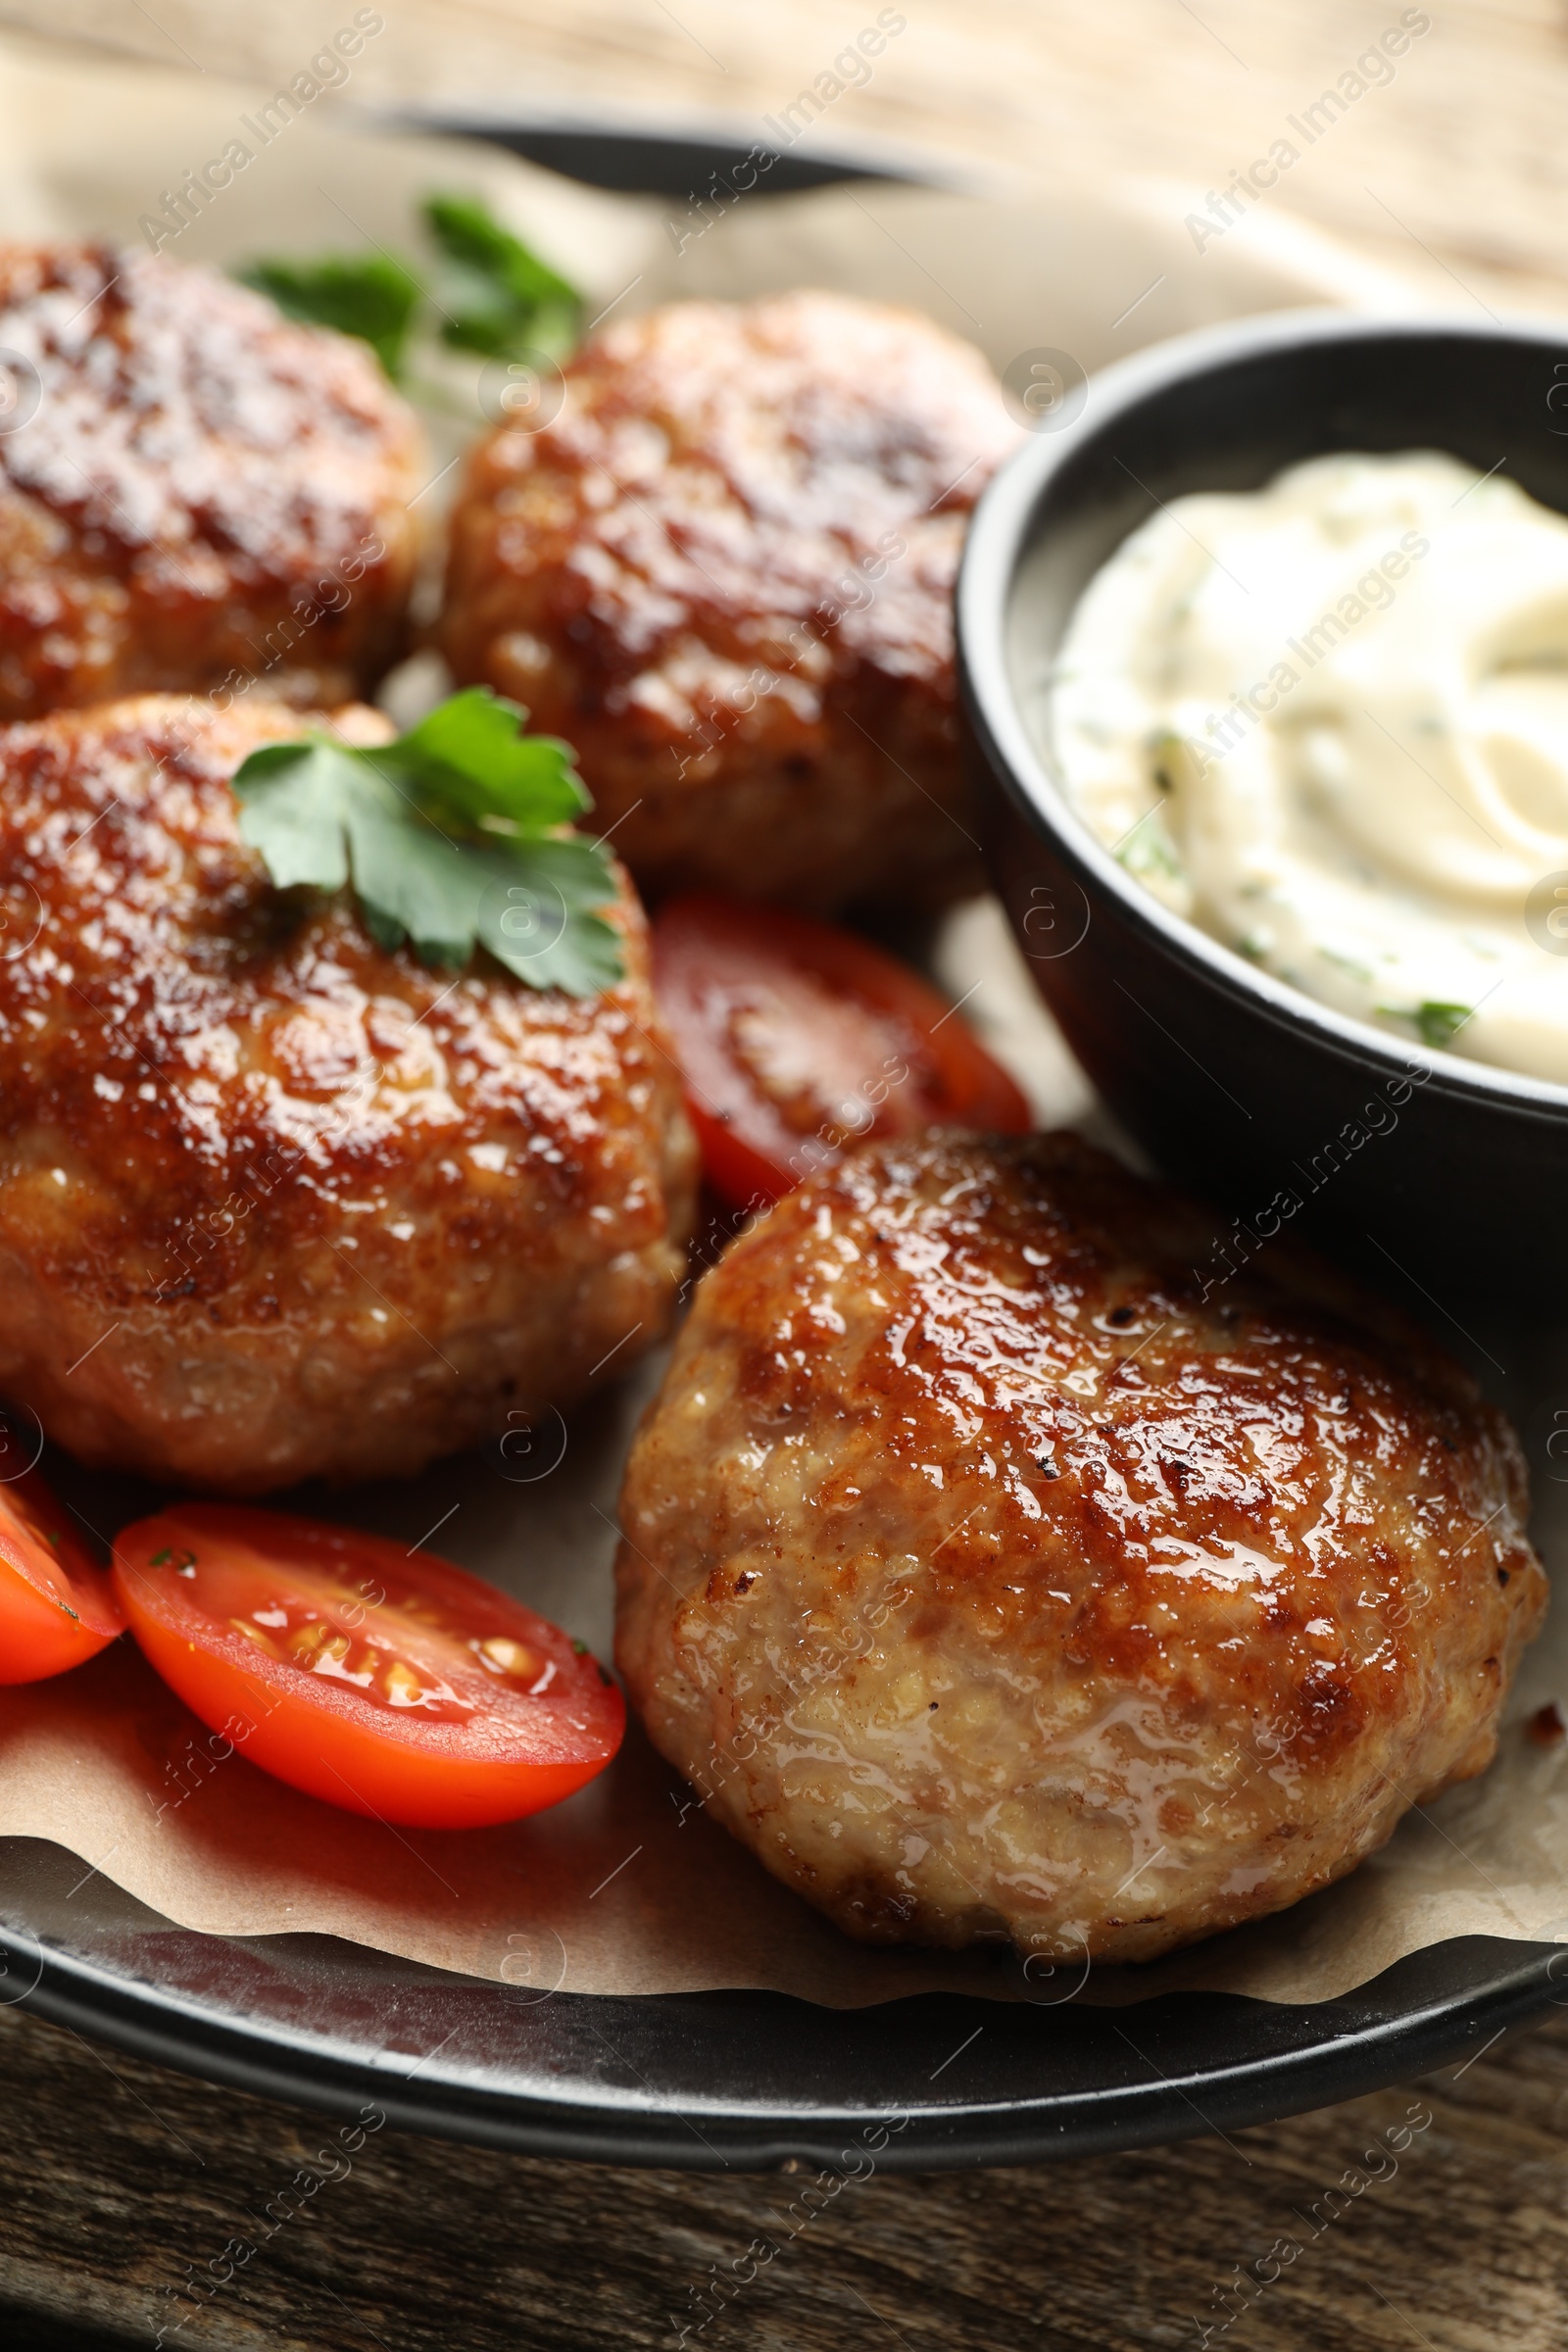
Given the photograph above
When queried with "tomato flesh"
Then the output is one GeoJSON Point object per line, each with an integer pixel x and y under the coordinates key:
{"type": "Point", "coordinates": [797, 1039]}
{"type": "Point", "coordinates": [387, 1682]}
{"type": "Point", "coordinates": [56, 1608]}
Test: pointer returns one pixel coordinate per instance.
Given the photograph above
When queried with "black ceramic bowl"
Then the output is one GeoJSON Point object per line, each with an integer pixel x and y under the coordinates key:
{"type": "Point", "coordinates": [1454, 1173]}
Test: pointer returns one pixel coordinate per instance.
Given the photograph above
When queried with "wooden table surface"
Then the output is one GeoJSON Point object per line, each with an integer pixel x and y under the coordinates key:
{"type": "Point", "coordinates": [116, 2177]}
{"type": "Point", "coordinates": [1461, 153]}
{"type": "Point", "coordinates": [113, 2176]}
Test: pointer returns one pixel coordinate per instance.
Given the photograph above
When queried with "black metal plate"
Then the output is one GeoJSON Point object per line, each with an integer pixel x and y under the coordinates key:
{"type": "Point", "coordinates": [646, 162]}
{"type": "Point", "coordinates": [709, 2081]}
{"type": "Point", "coordinates": [714, 2080]}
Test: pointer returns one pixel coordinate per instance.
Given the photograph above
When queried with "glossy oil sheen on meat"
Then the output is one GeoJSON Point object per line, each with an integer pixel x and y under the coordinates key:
{"type": "Point", "coordinates": [989, 1579]}
{"type": "Point", "coordinates": [273, 1201]}
{"type": "Point", "coordinates": [194, 492]}
{"type": "Point", "coordinates": [724, 573]}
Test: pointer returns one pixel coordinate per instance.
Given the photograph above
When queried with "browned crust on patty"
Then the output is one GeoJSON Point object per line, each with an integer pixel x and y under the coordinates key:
{"type": "Point", "coordinates": [273, 1201]}
{"type": "Point", "coordinates": [193, 490]}
{"type": "Point", "coordinates": [724, 573]}
{"type": "Point", "coordinates": [988, 1577]}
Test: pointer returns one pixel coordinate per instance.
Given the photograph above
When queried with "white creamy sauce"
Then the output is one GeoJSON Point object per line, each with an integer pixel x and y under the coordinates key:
{"type": "Point", "coordinates": [1328, 722]}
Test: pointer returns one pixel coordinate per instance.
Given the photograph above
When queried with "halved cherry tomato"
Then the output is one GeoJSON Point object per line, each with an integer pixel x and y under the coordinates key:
{"type": "Point", "coordinates": [56, 1608]}
{"type": "Point", "coordinates": [796, 1038]}
{"type": "Point", "coordinates": [382, 1679]}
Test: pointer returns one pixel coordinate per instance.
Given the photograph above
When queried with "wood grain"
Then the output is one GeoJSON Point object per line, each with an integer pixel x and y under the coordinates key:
{"type": "Point", "coordinates": [1461, 152]}
{"type": "Point", "coordinates": [115, 2177]}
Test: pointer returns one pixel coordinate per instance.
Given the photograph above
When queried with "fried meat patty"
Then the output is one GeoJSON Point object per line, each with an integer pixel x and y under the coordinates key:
{"type": "Point", "coordinates": [193, 490]}
{"type": "Point", "coordinates": [273, 1201]}
{"type": "Point", "coordinates": [988, 1580]}
{"type": "Point", "coordinates": [724, 573]}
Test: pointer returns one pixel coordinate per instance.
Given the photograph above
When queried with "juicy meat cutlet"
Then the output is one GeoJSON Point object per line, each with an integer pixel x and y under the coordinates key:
{"type": "Point", "coordinates": [988, 1579]}
{"type": "Point", "coordinates": [275, 1201]}
{"type": "Point", "coordinates": [725, 574]}
{"type": "Point", "coordinates": [194, 492]}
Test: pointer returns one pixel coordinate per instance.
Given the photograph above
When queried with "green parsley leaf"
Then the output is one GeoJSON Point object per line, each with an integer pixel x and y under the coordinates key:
{"type": "Point", "coordinates": [492, 294]}
{"type": "Point", "coordinates": [470, 754]}
{"type": "Point", "coordinates": [496, 295]}
{"type": "Point", "coordinates": [450, 837]}
{"type": "Point", "coordinates": [365, 294]}
{"type": "Point", "coordinates": [1439, 1023]}
{"type": "Point", "coordinates": [1149, 849]}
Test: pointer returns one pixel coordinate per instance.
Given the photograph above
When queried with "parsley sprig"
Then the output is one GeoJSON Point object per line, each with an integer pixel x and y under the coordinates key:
{"type": "Point", "coordinates": [1440, 1024]}
{"type": "Point", "coordinates": [498, 297]}
{"type": "Point", "coordinates": [484, 291]}
{"type": "Point", "coordinates": [454, 836]}
{"type": "Point", "coordinates": [369, 295]}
